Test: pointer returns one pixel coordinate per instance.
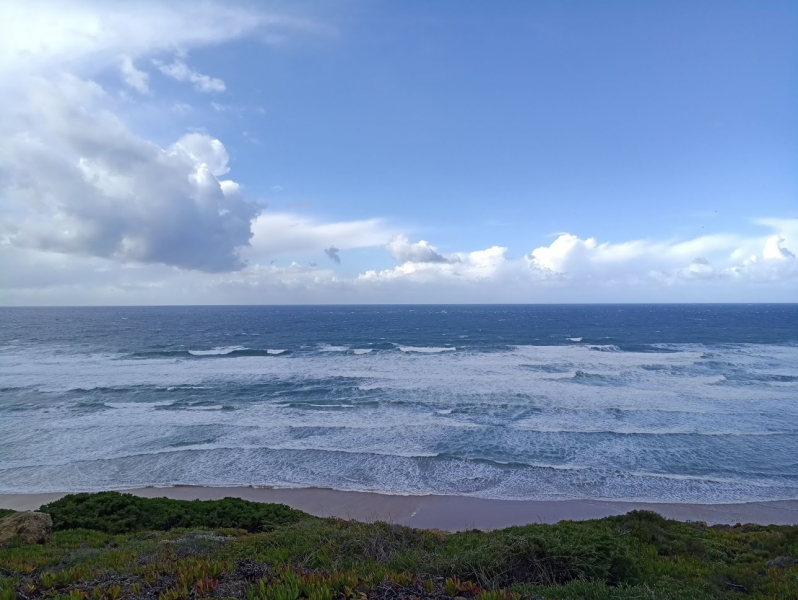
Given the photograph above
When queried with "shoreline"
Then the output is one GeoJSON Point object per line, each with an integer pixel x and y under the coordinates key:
{"type": "Point", "coordinates": [450, 513]}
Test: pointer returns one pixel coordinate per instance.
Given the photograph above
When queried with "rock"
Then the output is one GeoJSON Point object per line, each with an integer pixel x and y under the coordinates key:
{"type": "Point", "coordinates": [250, 570]}
{"type": "Point", "coordinates": [26, 527]}
{"type": "Point", "coordinates": [781, 562]}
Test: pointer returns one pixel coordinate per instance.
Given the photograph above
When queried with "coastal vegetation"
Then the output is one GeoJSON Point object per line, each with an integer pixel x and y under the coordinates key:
{"type": "Point", "coordinates": [112, 546]}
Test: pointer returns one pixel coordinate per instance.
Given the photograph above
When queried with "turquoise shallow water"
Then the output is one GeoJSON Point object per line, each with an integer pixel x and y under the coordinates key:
{"type": "Point", "coordinates": [684, 403]}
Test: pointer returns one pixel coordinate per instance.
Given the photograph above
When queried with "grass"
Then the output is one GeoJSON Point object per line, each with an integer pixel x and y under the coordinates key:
{"type": "Point", "coordinates": [129, 547]}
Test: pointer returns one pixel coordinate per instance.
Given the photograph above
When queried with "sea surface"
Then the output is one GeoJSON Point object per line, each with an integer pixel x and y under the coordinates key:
{"type": "Point", "coordinates": [677, 403]}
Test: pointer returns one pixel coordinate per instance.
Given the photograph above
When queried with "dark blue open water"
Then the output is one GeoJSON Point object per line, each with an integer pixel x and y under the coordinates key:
{"type": "Point", "coordinates": [684, 403]}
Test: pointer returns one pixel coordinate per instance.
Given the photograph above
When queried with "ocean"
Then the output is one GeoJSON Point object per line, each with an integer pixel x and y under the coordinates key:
{"type": "Point", "coordinates": [671, 403]}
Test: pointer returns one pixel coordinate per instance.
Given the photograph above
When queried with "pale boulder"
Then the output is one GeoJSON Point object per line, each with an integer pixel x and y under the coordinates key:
{"type": "Point", "coordinates": [26, 527]}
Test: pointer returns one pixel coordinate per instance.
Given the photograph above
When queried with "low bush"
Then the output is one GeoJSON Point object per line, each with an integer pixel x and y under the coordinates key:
{"type": "Point", "coordinates": [113, 512]}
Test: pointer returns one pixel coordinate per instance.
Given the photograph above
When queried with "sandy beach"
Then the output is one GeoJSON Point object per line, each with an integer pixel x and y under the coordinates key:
{"type": "Point", "coordinates": [452, 513]}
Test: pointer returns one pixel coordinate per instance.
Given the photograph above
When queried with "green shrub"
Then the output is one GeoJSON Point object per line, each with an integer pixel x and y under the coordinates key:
{"type": "Point", "coordinates": [639, 555]}
{"type": "Point", "coordinates": [542, 554]}
{"type": "Point", "coordinates": [113, 512]}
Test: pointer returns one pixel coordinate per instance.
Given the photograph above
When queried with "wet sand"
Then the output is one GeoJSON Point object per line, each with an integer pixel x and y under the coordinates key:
{"type": "Point", "coordinates": [453, 513]}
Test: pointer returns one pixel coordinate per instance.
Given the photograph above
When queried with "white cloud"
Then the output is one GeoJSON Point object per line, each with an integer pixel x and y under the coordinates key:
{"type": "Point", "coordinates": [774, 251]}
{"type": "Point", "coordinates": [490, 275]}
{"type": "Point", "coordinates": [569, 254]}
{"type": "Point", "coordinates": [207, 152]}
{"type": "Point", "coordinates": [74, 180]}
{"type": "Point", "coordinates": [708, 257]}
{"type": "Point", "coordinates": [49, 36]}
{"type": "Point", "coordinates": [478, 266]}
{"type": "Point", "coordinates": [133, 77]}
{"type": "Point", "coordinates": [180, 71]}
{"type": "Point", "coordinates": [403, 250]}
{"type": "Point", "coordinates": [572, 267]}
{"type": "Point", "coordinates": [283, 233]}
{"type": "Point", "coordinates": [77, 181]}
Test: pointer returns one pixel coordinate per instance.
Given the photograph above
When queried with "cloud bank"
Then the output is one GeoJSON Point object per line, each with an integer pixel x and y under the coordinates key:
{"type": "Point", "coordinates": [569, 269]}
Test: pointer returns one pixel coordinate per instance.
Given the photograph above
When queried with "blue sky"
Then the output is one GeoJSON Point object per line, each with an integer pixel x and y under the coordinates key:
{"type": "Point", "coordinates": [450, 151]}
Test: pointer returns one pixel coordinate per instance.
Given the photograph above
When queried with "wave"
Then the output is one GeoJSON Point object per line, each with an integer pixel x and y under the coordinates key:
{"type": "Point", "coordinates": [239, 351]}
{"type": "Point", "coordinates": [383, 346]}
{"type": "Point", "coordinates": [362, 350]}
{"type": "Point", "coordinates": [145, 354]}
{"type": "Point", "coordinates": [701, 478]}
{"type": "Point", "coordinates": [758, 378]}
{"type": "Point", "coordinates": [312, 405]}
{"type": "Point", "coordinates": [515, 464]}
{"type": "Point", "coordinates": [221, 352]}
{"type": "Point", "coordinates": [259, 352]}
{"type": "Point", "coordinates": [652, 432]}
{"type": "Point", "coordinates": [331, 348]}
{"type": "Point", "coordinates": [548, 367]}
{"type": "Point", "coordinates": [605, 348]}
{"type": "Point", "coordinates": [407, 472]}
{"type": "Point", "coordinates": [135, 404]}
{"type": "Point", "coordinates": [426, 349]}
{"type": "Point", "coordinates": [419, 457]}
{"type": "Point", "coordinates": [216, 351]}
{"type": "Point", "coordinates": [201, 406]}
{"type": "Point", "coordinates": [575, 339]}
{"type": "Point", "coordinates": [593, 379]}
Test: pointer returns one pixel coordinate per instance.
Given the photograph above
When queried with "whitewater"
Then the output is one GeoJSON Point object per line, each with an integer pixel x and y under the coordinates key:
{"type": "Point", "coordinates": [667, 403]}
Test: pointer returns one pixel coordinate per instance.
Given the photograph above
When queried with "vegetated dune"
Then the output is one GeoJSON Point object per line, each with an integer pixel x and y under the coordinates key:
{"type": "Point", "coordinates": [110, 546]}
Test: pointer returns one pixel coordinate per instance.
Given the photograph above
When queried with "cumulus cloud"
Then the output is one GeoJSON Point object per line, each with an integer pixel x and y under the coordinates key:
{"type": "Point", "coordinates": [207, 152]}
{"type": "Point", "coordinates": [79, 182]}
{"type": "Point", "coordinates": [332, 254]}
{"type": "Point", "coordinates": [180, 71]}
{"type": "Point", "coordinates": [773, 249]}
{"type": "Point", "coordinates": [470, 267]}
{"type": "Point", "coordinates": [138, 80]}
{"type": "Point", "coordinates": [403, 250]}
{"type": "Point", "coordinates": [571, 255]}
{"type": "Point", "coordinates": [74, 180]}
{"type": "Point", "coordinates": [586, 266]}
{"type": "Point", "coordinates": [572, 258]}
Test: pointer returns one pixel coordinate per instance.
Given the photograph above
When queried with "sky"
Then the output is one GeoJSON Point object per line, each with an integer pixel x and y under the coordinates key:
{"type": "Point", "coordinates": [354, 151]}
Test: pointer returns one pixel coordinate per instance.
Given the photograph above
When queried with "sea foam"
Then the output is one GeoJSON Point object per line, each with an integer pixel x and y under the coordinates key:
{"type": "Point", "coordinates": [426, 410]}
